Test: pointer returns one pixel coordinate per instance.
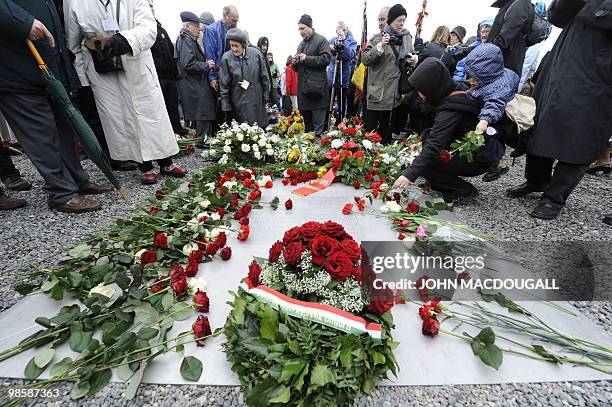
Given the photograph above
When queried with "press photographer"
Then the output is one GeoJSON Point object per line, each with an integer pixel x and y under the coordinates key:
{"type": "Point", "coordinates": [343, 48]}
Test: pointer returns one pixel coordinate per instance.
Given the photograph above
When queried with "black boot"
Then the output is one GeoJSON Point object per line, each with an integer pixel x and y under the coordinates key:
{"type": "Point", "coordinates": [546, 211]}
{"type": "Point", "coordinates": [524, 189]}
{"type": "Point", "coordinates": [7, 203]}
{"type": "Point", "coordinates": [608, 220]}
{"type": "Point", "coordinates": [16, 183]}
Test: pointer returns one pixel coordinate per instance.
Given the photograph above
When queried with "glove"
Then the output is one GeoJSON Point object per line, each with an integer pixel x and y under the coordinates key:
{"type": "Point", "coordinates": [118, 45]}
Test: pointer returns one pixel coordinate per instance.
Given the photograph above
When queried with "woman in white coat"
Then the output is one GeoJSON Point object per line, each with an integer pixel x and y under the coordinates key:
{"type": "Point", "coordinates": [111, 40]}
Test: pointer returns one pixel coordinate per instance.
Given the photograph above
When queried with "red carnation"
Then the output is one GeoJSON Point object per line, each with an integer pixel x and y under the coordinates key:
{"type": "Point", "coordinates": [220, 212]}
{"type": "Point", "coordinates": [337, 162]}
{"type": "Point", "coordinates": [275, 251]}
{"type": "Point", "coordinates": [180, 286]}
{"type": "Point", "coordinates": [246, 209]}
{"type": "Point", "coordinates": [358, 154]}
{"type": "Point", "coordinates": [245, 222]}
{"type": "Point", "coordinates": [339, 265]}
{"type": "Point", "coordinates": [201, 329]}
{"type": "Point", "coordinates": [351, 131]}
{"type": "Point", "coordinates": [357, 184]}
{"type": "Point", "coordinates": [286, 181]}
{"type": "Point", "coordinates": [288, 204]}
{"type": "Point", "coordinates": [160, 239]}
{"type": "Point", "coordinates": [213, 248]}
{"type": "Point", "coordinates": [352, 249]}
{"type": "Point", "coordinates": [431, 326]}
{"type": "Point", "coordinates": [321, 247]}
{"type": "Point", "coordinates": [201, 301]}
{"type": "Point", "coordinates": [293, 253]}
{"type": "Point", "coordinates": [413, 207]}
{"type": "Point", "coordinates": [346, 153]}
{"type": "Point", "coordinates": [348, 208]}
{"type": "Point", "coordinates": [382, 301]}
{"type": "Point", "coordinates": [148, 257]}
{"type": "Point", "coordinates": [244, 233]}
{"type": "Point", "coordinates": [226, 253]}
{"type": "Point", "coordinates": [445, 156]}
{"type": "Point", "coordinates": [269, 184]}
{"type": "Point", "coordinates": [247, 183]}
{"type": "Point", "coordinates": [292, 235]}
{"type": "Point", "coordinates": [154, 211]}
{"type": "Point", "coordinates": [254, 274]}
{"type": "Point", "coordinates": [423, 291]}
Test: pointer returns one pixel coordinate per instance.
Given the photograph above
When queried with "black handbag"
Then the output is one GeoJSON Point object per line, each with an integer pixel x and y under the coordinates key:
{"type": "Point", "coordinates": [102, 59]}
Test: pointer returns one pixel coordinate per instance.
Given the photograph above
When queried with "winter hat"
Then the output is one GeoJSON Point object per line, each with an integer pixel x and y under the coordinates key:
{"type": "Point", "coordinates": [460, 31]}
{"type": "Point", "coordinates": [207, 18]}
{"type": "Point", "coordinates": [261, 41]}
{"type": "Point", "coordinates": [395, 12]}
{"type": "Point", "coordinates": [237, 35]}
{"type": "Point", "coordinates": [189, 17]}
{"type": "Point", "coordinates": [306, 20]}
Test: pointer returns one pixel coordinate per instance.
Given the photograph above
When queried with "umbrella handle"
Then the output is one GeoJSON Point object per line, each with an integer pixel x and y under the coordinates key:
{"type": "Point", "coordinates": [37, 57]}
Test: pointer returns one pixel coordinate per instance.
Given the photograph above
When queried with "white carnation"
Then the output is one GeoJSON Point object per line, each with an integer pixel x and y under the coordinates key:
{"type": "Point", "coordinates": [228, 142]}
{"type": "Point", "coordinates": [227, 149]}
{"type": "Point", "coordinates": [195, 284]}
{"type": "Point", "coordinates": [337, 143]}
{"type": "Point", "coordinates": [393, 207]}
{"type": "Point", "coordinates": [262, 142]}
{"type": "Point", "coordinates": [270, 151]}
{"type": "Point", "coordinates": [367, 144]}
{"type": "Point", "coordinates": [189, 247]}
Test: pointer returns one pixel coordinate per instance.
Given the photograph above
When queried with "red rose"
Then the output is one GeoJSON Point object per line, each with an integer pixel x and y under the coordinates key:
{"type": "Point", "coordinates": [352, 249]}
{"type": "Point", "coordinates": [254, 274]}
{"type": "Point", "coordinates": [223, 191]}
{"type": "Point", "coordinates": [154, 211]}
{"type": "Point", "coordinates": [238, 215]}
{"type": "Point", "coordinates": [382, 301]}
{"type": "Point", "coordinates": [222, 238]}
{"type": "Point", "coordinates": [374, 137]}
{"type": "Point", "coordinates": [445, 156]}
{"type": "Point", "coordinates": [423, 291]}
{"type": "Point", "coordinates": [464, 276]}
{"type": "Point", "coordinates": [348, 208]}
{"type": "Point", "coordinates": [292, 235]}
{"type": "Point", "coordinates": [321, 247]}
{"type": "Point", "coordinates": [357, 184]}
{"type": "Point", "coordinates": [413, 207]}
{"type": "Point", "coordinates": [234, 202]}
{"type": "Point", "coordinates": [246, 209]}
{"type": "Point", "coordinates": [159, 194]}
{"type": "Point", "coordinates": [346, 153]}
{"type": "Point", "coordinates": [158, 287]}
{"type": "Point", "coordinates": [201, 329]}
{"type": "Point", "coordinates": [333, 229]}
{"type": "Point", "coordinates": [310, 230]}
{"type": "Point", "coordinates": [351, 131]}
{"type": "Point", "coordinates": [401, 236]}
{"type": "Point", "coordinates": [176, 272]}
{"type": "Point", "coordinates": [269, 184]}
{"type": "Point", "coordinates": [339, 265]}
{"type": "Point", "coordinates": [180, 286]}
{"type": "Point", "coordinates": [226, 253]}
{"type": "Point", "coordinates": [286, 181]}
{"type": "Point", "coordinates": [213, 248]}
{"type": "Point", "coordinates": [148, 257]}
{"type": "Point", "coordinates": [247, 183]}
{"type": "Point", "coordinates": [293, 253]}
{"type": "Point", "coordinates": [288, 204]}
{"type": "Point", "coordinates": [376, 164]}
{"type": "Point", "coordinates": [361, 204]}
{"type": "Point", "coordinates": [337, 162]}
{"type": "Point", "coordinates": [431, 327]}
{"type": "Point", "coordinates": [332, 153]}
{"type": "Point", "coordinates": [201, 301]}
{"type": "Point", "coordinates": [275, 252]}
{"type": "Point", "coordinates": [192, 269]}
{"type": "Point", "coordinates": [160, 239]}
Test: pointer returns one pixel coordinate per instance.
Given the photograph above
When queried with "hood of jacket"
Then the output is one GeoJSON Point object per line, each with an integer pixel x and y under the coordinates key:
{"type": "Point", "coordinates": [433, 80]}
{"type": "Point", "coordinates": [485, 64]}
{"type": "Point", "coordinates": [500, 3]}
{"type": "Point", "coordinates": [488, 21]}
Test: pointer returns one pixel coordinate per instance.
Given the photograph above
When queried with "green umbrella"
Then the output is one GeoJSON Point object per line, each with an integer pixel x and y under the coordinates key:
{"type": "Point", "coordinates": [77, 122]}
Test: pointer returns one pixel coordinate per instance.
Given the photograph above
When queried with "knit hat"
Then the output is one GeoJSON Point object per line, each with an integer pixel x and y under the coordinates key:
{"type": "Point", "coordinates": [207, 18]}
{"type": "Point", "coordinates": [261, 41]}
{"type": "Point", "coordinates": [460, 31]}
{"type": "Point", "coordinates": [237, 35]}
{"type": "Point", "coordinates": [189, 17]}
{"type": "Point", "coordinates": [306, 20]}
{"type": "Point", "coordinates": [395, 12]}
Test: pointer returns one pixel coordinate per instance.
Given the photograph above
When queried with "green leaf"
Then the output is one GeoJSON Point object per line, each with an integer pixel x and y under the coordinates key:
{"type": "Point", "coordinates": [544, 353]}
{"type": "Point", "coordinates": [378, 358]}
{"type": "Point", "coordinates": [82, 251]}
{"type": "Point", "coordinates": [486, 336]}
{"type": "Point", "coordinates": [274, 203]}
{"type": "Point", "coordinates": [167, 300]}
{"type": "Point", "coordinates": [283, 394]}
{"type": "Point", "coordinates": [124, 371]}
{"type": "Point", "coordinates": [43, 359]}
{"type": "Point", "coordinates": [262, 393]}
{"type": "Point", "coordinates": [490, 354]}
{"type": "Point", "coordinates": [25, 289]}
{"type": "Point", "coordinates": [75, 278]}
{"type": "Point", "coordinates": [510, 305]}
{"type": "Point", "coordinates": [191, 369]}
{"type": "Point", "coordinates": [42, 321]}
{"type": "Point", "coordinates": [79, 390]}
{"type": "Point", "coordinates": [268, 329]}
{"type": "Point", "coordinates": [49, 284]}
{"type": "Point", "coordinates": [148, 333]}
{"type": "Point", "coordinates": [292, 367]}
{"type": "Point", "coordinates": [98, 380]}
{"type": "Point", "coordinates": [132, 387]}
{"type": "Point", "coordinates": [321, 375]}
{"type": "Point", "coordinates": [181, 312]}
{"type": "Point", "coordinates": [79, 340]}
{"type": "Point", "coordinates": [61, 367]}
{"type": "Point", "coordinates": [145, 315]}
{"type": "Point", "coordinates": [32, 371]}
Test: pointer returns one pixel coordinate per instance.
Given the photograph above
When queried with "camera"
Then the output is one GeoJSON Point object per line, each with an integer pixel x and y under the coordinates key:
{"type": "Point", "coordinates": [296, 59]}
{"type": "Point", "coordinates": [395, 40]}
{"type": "Point", "coordinates": [339, 46]}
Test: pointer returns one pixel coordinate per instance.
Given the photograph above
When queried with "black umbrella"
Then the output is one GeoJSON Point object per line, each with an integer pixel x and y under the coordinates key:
{"type": "Point", "coordinates": [77, 122]}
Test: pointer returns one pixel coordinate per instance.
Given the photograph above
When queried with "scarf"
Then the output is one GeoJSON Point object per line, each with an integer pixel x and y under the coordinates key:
{"type": "Point", "coordinates": [404, 36]}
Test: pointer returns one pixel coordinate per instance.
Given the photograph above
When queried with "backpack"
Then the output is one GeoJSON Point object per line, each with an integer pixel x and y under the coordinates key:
{"type": "Point", "coordinates": [540, 28]}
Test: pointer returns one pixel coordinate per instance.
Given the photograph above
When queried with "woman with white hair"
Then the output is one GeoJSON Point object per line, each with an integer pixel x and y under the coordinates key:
{"type": "Point", "coordinates": [244, 81]}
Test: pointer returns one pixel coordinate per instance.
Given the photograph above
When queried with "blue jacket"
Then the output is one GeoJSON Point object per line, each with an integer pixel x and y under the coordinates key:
{"type": "Point", "coordinates": [459, 74]}
{"type": "Point", "coordinates": [215, 45]}
{"type": "Point", "coordinates": [347, 57]}
{"type": "Point", "coordinates": [498, 85]}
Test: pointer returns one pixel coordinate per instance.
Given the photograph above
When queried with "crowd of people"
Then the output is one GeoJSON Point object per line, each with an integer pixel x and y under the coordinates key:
{"type": "Point", "coordinates": [139, 89]}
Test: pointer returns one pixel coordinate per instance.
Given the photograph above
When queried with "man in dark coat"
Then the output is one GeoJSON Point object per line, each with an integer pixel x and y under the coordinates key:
{"type": "Point", "coordinates": [313, 57]}
{"type": "Point", "coordinates": [197, 95]}
{"type": "Point", "coordinates": [38, 123]}
{"type": "Point", "coordinates": [509, 31]}
{"type": "Point", "coordinates": [165, 65]}
{"type": "Point", "coordinates": [574, 104]}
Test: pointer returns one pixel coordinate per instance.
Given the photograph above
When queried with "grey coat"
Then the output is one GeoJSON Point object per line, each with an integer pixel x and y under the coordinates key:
{"type": "Point", "coordinates": [383, 74]}
{"type": "Point", "coordinates": [247, 105]}
{"type": "Point", "coordinates": [197, 96]}
{"type": "Point", "coordinates": [312, 73]}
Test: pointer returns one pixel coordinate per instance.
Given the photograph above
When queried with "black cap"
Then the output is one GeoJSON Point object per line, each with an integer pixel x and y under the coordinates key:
{"type": "Point", "coordinates": [189, 17]}
{"type": "Point", "coordinates": [395, 12]}
{"type": "Point", "coordinates": [306, 20]}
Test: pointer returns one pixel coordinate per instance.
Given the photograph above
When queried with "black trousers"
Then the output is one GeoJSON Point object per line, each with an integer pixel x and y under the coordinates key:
{"type": "Point", "coordinates": [170, 91]}
{"type": "Point", "coordinates": [399, 118]}
{"type": "Point", "coordinates": [49, 142]}
{"type": "Point", "coordinates": [7, 168]}
{"type": "Point", "coordinates": [147, 166]}
{"type": "Point", "coordinates": [314, 120]}
{"type": "Point", "coordinates": [446, 177]}
{"type": "Point", "coordinates": [559, 184]}
{"type": "Point", "coordinates": [381, 122]}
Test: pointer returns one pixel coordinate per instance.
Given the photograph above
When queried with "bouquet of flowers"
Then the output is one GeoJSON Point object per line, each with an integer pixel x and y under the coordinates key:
{"type": "Point", "coordinates": [281, 342]}
{"type": "Point", "coordinates": [300, 149]}
{"type": "Point", "coordinates": [244, 144]}
{"type": "Point", "coordinates": [291, 125]}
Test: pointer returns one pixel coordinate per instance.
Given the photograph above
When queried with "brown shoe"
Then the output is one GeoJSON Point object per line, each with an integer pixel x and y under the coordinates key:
{"type": "Point", "coordinates": [78, 204]}
{"type": "Point", "coordinates": [96, 189]}
{"type": "Point", "coordinates": [149, 178]}
{"type": "Point", "coordinates": [7, 203]}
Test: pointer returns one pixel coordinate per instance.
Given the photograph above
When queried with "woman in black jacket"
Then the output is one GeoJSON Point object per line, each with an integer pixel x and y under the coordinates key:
{"type": "Point", "coordinates": [437, 47]}
{"type": "Point", "coordinates": [454, 115]}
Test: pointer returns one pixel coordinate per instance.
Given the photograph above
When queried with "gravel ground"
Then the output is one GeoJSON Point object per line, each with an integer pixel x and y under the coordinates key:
{"type": "Point", "coordinates": [500, 217]}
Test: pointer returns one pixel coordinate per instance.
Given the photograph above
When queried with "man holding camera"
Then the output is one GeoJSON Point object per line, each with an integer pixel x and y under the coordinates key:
{"type": "Point", "coordinates": [343, 48]}
{"type": "Point", "coordinates": [310, 62]}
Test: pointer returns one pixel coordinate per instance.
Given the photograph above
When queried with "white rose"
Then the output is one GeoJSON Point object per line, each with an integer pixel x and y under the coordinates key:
{"type": "Point", "coordinates": [257, 155]}
{"type": "Point", "coordinates": [189, 247]}
{"type": "Point", "coordinates": [384, 187]}
{"type": "Point", "coordinates": [228, 142]}
{"type": "Point", "coordinates": [138, 255]}
{"type": "Point", "coordinates": [274, 139]}
{"type": "Point", "coordinates": [112, 291]}
{"type": "Point", "coordinates": [195, 284]}
{"type": "Point", "coordinates": [255, 147]}
{"type": "Point", "coordinates": [230, 184]}
{"type": "Point", "coordinates": [270, 151]}
{"type": "Point", "coordinates": [227, 149]}
{"type": "Point", "coordinates": [205, 204]}
{"type": "Point", "coordinates": [262, 142]}
{"type": "Point", "coordinates": [244, 127]}
{"type": "Point", "coordinates": [246, 148]}
{"type": "Point", "coordinates": [333, 133]}
{"type": "Point", "coordinates": [367, 144]}
{"type": "Point", "coordinates": [224, 160]}
{"type": "Point", "coordinates": [384, 209]}
{"type": "Point", "coordinates": [211, 152]}
{"type": "Point", "coordinates": [240, 136]}
{"type": "Point", "coordinates": [393, 207]}
{"type": "Point", "coordinates": [337, 143]}
{"type": "Point", "coordinates": [215, 216]}
{"type": "Point", "coordinates": [268, 146]}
